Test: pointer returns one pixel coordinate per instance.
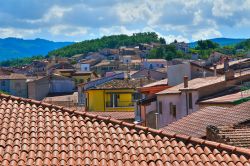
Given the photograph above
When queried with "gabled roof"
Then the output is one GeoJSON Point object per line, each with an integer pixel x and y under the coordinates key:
{"type": "Point", "coordinates": [198, 83]}
{"type": "Point", "coordinates": [195, 124]}
{"type": "Point", "coordinates": [232, 98]}
{"type": "Point", "coordinates": [193, 84]}
{"type": "Point", "coordinates": [37, 133]}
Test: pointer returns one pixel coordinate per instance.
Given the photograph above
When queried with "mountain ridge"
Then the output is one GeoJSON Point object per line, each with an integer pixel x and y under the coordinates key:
{"type": "Point", "coordinates": [223, 41]}
{"type": "Point", "coordinates": [11, 47]}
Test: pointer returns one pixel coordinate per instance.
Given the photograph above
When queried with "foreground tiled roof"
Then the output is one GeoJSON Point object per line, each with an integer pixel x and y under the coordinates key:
{"type": "Point", "coordinates": [35, 133]}
{"type": "Point", "coordinates": [195, 124]}
{"type": "Point", "coordinates": [116, 115]}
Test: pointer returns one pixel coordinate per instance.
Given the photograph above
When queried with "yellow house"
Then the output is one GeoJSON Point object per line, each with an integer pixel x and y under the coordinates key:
{"type": "Point", "coordinates": [115, 95]}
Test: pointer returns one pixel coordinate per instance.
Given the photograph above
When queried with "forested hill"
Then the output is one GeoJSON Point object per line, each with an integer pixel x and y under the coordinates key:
{"type": "Point", "coordinates": [12, 48]}
{"type": "Point", "coordinates": [221, 41]}
{"type": "Point", "coordinates": [113, 41]}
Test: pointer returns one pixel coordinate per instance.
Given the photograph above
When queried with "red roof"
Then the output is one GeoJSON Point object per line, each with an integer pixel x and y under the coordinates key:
{"type": "Point", "coordinates": [195, 124]}
{"type": "Point", "coordinates": [37, 133]}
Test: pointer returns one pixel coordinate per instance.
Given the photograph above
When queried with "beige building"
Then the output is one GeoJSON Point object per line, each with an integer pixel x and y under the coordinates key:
{"type": "Point", "coordinates": [14, 84]}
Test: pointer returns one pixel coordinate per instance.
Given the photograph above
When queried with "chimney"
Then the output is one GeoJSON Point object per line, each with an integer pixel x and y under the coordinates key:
{"type": "Point", "coordinates": [229, 75]}
{"type": "Point", "coordinates": [226, 64]}
{"type": "Point", "coordinates": [185, 80]}
{"type": "Point", "coordinates": [215, 70]}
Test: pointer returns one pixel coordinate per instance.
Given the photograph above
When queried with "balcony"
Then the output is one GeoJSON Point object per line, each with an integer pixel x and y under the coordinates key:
{"type": "Point", "coordinates": [120, 104]}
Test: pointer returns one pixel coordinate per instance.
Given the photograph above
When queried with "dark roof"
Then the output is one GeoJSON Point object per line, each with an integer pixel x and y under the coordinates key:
{"type": "Point", "coordinates": [37, 133]}
{"type": "Point", "coordinates": [234, 134]}
{"type": "Point", "coordinates": [195, 124]}
{"type": "Point", "coordinates": [124, 84]}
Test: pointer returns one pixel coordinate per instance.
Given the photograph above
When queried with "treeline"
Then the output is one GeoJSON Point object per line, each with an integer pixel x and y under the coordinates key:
{"type": "Point", "coordinates": [205, 47]}
{"type": "Point", "coordinates": [21, 61]}
{"type": "Point", "coordinates": [113, 41]}
{"type": "Point", "coordinates": [167, 52]}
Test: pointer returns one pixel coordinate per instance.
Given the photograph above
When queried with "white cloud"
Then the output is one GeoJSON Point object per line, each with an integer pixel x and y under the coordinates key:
{"type": "Point", "coordinates": [206, 34]}
{"type": "Point", "coordinates": [116, 30]}
{"type": "Point", "coordinates": [19, 33]}
{"type": "Point", "coordinates": [68, 30]}
{"type": "Point", "coordinates": [147, 11]}
{"type": "Point", "coordinates": [54, 13]}
{"type": "Point", "coordinates": [78, 20]}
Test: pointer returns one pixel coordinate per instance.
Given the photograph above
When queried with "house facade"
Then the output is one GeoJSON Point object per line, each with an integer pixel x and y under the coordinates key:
{"type": "Point", "coordinates": [14, 84]}
{"type": "Point", "coordinates": [54, 84]}
{"type": "Point", "coordinates": [115, 95]}
{"type": "Point", "coordinates": [110, 100]}
{"type": "Point", "coordinates": [152, 74]}
{"type": "Point", "coordinates": [154, 63]}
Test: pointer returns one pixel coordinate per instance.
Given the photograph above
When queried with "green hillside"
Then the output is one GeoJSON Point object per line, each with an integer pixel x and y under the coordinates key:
{"type": "Point", "coordinates": [113, 41]}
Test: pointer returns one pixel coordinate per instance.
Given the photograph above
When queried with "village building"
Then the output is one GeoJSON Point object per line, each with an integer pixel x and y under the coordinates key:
{"type": "Point", "coordinates": [54, 84]}
{"type": "Point", "coordinates": [148, 73]}
{"type": "Point", "coordinates": [146, 107]}
{"type": "Point", "coordinates": [77, 76]}
{"type": "Point", "coordinates": [115, 95]}
{"type": "Point", "coordinates": [154, 63]}
{"type": "Point", "coordinates": [190, 69]}
{"type": "Point", "coordinates": [14, 84]}
{"type": "Point", "coordinates": [181, 46]}
{"type": "Point", "coordinates": [181, 100]}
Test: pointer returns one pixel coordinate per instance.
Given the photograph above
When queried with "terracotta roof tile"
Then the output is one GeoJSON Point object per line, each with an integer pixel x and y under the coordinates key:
{"type": "Point", "coordinates": [50, 135]}
{"type": "Point", "coordinates": [116, 115]}
{"type": "Point", "coordinates": [195, 124]}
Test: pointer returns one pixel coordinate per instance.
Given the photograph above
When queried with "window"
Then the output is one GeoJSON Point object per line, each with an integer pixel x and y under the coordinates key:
{"type": "Point", "coordinates": [136, 96]}
{"type": "Point", "coordinates": [160, 107]}
{"type": "Point", "coordinates": [81, 80]}
{"type": "Point", "coordinates": [172, 108]}
{"type": "Point", "coordinates": [190, 101]}
{"type": "Point", "coordinates": [3, 83]}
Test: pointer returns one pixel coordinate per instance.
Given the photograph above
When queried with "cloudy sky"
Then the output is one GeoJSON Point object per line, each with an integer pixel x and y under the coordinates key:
{"type": "Point", "coordinates": [77, 20]}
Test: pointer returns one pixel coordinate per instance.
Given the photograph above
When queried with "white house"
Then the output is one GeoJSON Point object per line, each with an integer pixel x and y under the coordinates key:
{"type": "Point", "coordinates": [84, 67]}
{"type": "Point", "coordinates": [154, 63]}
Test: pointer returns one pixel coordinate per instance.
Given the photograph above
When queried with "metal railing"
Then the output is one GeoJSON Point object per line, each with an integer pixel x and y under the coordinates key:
{"type": "Point", "coordinates": [120, 104]}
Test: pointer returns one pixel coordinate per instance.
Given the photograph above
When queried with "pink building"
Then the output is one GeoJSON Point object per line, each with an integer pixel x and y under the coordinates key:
{"type": "Point", "coordinates": [181, 100]}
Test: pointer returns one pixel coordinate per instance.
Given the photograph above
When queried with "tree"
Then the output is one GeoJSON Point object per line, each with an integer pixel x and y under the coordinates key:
{"type": "Point", "coordinates": [162, 40]}
{"type": "Point", "coordinates": [206, 44]}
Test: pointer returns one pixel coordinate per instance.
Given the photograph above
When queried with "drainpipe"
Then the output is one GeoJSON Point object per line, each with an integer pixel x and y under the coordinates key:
{"type": "Point", "coordinates": [186, 86]}
{"type": "Point", "coordinates": [186, 102]}
{"type": "Point", "coordinates": [157, 120]}
{"type": "Point", "coordinates": [215, 70]}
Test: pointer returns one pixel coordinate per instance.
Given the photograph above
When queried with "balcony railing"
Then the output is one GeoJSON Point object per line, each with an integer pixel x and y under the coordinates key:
{"type": "Point", "coordinates": [120, 104]}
